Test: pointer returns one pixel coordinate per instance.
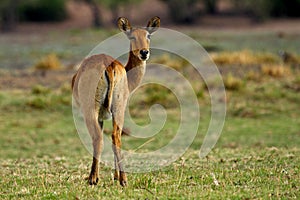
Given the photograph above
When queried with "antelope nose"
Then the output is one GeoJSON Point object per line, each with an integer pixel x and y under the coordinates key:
{"type": "Point", "coordinates": [144, 52]}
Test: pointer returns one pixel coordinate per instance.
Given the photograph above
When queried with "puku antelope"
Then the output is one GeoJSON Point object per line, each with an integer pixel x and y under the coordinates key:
{"type": "Point", "coordinates": [101, 88]}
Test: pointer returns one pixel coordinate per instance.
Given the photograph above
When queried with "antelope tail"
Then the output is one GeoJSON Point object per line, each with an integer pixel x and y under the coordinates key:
{"type": "Point", "coordinates": [109, 75]}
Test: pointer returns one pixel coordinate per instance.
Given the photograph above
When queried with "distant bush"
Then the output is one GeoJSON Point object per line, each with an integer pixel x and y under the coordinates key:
{"type": "Point", "coordinates": [38, 102]}
{"type": "Point", "coordinates": [244, 57]}
{"type": "Point", "coordinates": [288, 8]}
{"type": "Point", "coordinates": [8, 15]}
{"type": "Point", "coordinates": [42, 10]}
{"type": "Point", "coordinates": [176, 63]}
{"type": "Point", "coordinates": [261, 9]}
{"type": "Point", "coordinates": [233, 83]}
{"type": "Point", "coordinates": [253, 76]}
{"type": "Point", "coordinates": [50, 62]}
{"type": "Point", "coordinates": [290, 58]}
{"type": "Point", "coordinates": [43, 97]}
{"type": "Point", "coordinates": [275, 70]}
{"type": "Point", "coordinates": [182, 11]}
{"type": "Point", "coordinates": [151, 94]}
{"type": "Point", "coordinates": [158, 94]}
{"type": "Point", "coordinates": [40, 90]}
{"type": "Point", "coordinates": [65, 88]}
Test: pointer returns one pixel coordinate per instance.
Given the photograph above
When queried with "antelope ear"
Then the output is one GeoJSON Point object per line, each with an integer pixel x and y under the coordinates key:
{"type": "Point", "coordinates": [124, 25]}
{"type": "Point", "coordinates": [153, 24]}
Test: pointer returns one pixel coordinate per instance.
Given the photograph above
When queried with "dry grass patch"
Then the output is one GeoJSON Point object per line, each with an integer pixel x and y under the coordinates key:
{"type": "Point", "coordinates": [176, 63]}
{"type": "Point", "coordinates": [47, 63]}
{"type": "Point", "coordinates": [253, 76]}
{"type": "Point", "coordinates": [275, 70]}
{"type": "Point", "coordinates": [290, 58]}
{"type": "Point", "coordinates": [244, 57]}
{"type": "Point", "coordinates": [233, 83]}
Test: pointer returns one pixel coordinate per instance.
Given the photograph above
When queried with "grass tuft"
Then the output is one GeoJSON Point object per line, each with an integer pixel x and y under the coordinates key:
{"type": "Point", "coordinates": [45, 98]}
{"type": "Point", "coordinates": [65, 88]}
{"type": "Point", "coordinates": [256, 157]}
{"type": "Point", "coordinates": [253, 76]}
{"type": "Point", "coordinates": [158, 94]}
{"type": "Point", "coordinates": [290, 58]}
{"type": "Point", "coordinates": [244, 57]}
{"type": "Point", "coordinates": [50, 62]}
{"type": "Point", "coordinates": [38, 102]}
{"type": "Point", "coordinates": [233, 83]}
{"type": "Point", "coordinates": [40, 90]}
{"type": "Point", "coordinates": [174, 62]}
{"type": "Point", "coordinates": [275, 71]}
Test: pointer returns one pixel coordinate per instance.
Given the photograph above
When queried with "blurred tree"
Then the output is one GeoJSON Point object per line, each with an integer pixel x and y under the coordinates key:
{"type": "Point", "coordinates": [211, 6]}
{"type": "Point", "coordinates": [290, 8]}
{"type": "Point", "coordinates": [115, 6]}
{"type": "Point", "coordinates": [261, 9]}
{"type": "Point", "coordinates": [43, 10]}
{"type": "Point", "coordinates": [97, 19]}
{"type": "Point", "coordinates": [182, 11]}
{"type": "Point", "coordinates": [8, 14]}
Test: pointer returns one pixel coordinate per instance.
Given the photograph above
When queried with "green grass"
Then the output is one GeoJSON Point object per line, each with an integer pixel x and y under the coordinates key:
{"type": "Point", "coordinates": [256, 157]}
{"type": "Point", "coordinates": [254, 40]}
{"type": "Point", "coordinates": [225, 174]}
{"type": "Point", "coordinates": [75, 44]}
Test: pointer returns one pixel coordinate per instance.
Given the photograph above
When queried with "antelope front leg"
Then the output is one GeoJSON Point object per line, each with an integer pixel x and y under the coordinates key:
{"type": "Point", "coordinates": [97, 146]}
{"type": "Point", "coordinates": [116, 146]}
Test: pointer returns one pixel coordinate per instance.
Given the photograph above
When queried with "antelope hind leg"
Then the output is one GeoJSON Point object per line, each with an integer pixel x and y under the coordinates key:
{"type": "Point", "coordinates": [116, 146]}
{"type": "Point", "coordinates": [97, 138]}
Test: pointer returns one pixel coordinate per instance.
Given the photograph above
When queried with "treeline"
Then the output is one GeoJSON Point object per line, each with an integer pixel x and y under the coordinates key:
{"type": "Point", "coordinates": [185, 11]}
{"type": "Point", "coordinates": [180, 11]}
{"type": "Point", "coordinates": [14, 11]}
{"type": "Point", "coordinates": [268, 8]}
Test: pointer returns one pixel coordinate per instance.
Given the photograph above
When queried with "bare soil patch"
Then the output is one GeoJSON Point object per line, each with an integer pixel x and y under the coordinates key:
{"type": "Point", "coordinates": [26, 80]}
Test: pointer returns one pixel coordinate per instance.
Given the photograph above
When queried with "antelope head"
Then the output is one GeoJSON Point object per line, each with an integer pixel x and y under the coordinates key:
{"type": "Point", "coordinates": [139, 37]}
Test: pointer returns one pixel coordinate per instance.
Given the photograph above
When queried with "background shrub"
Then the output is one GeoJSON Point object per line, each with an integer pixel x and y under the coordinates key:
{"type": "Point", "coordinates": [49, 62]}
{"type": "Point", "coordinates": [233, 83]}
{"type": "Point", "coordinates": [182, 11]}
{"type": "Point", "coordinates": [43, 10]}
{"type": "Point", "coordinates": [261, 9]}
{"type": "Point", "coordinates": [275, 70]}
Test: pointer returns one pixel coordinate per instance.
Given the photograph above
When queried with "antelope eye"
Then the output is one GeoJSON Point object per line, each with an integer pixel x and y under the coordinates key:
{"type": "Point", "coordinates": [148, 36]}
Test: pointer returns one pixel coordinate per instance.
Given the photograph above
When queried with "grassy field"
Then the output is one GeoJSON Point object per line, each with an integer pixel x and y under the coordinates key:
{"type": "Point", "coordinates": [257, 156]}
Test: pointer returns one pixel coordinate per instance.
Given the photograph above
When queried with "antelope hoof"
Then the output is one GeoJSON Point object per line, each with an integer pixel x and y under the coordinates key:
{"type": "Point", "coordinates": [93, 179]}
{"type": "Point", "coordinates": [123, 183]}
{"type": "Point", "coordinates": [123, 179]}
{"type": "Point", "coordinates": [116, 175]}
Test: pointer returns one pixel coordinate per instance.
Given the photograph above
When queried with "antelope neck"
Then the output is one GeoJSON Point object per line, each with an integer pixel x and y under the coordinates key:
{"type": "Point", "coordinates": [134, 61]}
{"type": "Point", "coordinates": [135, 69]}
